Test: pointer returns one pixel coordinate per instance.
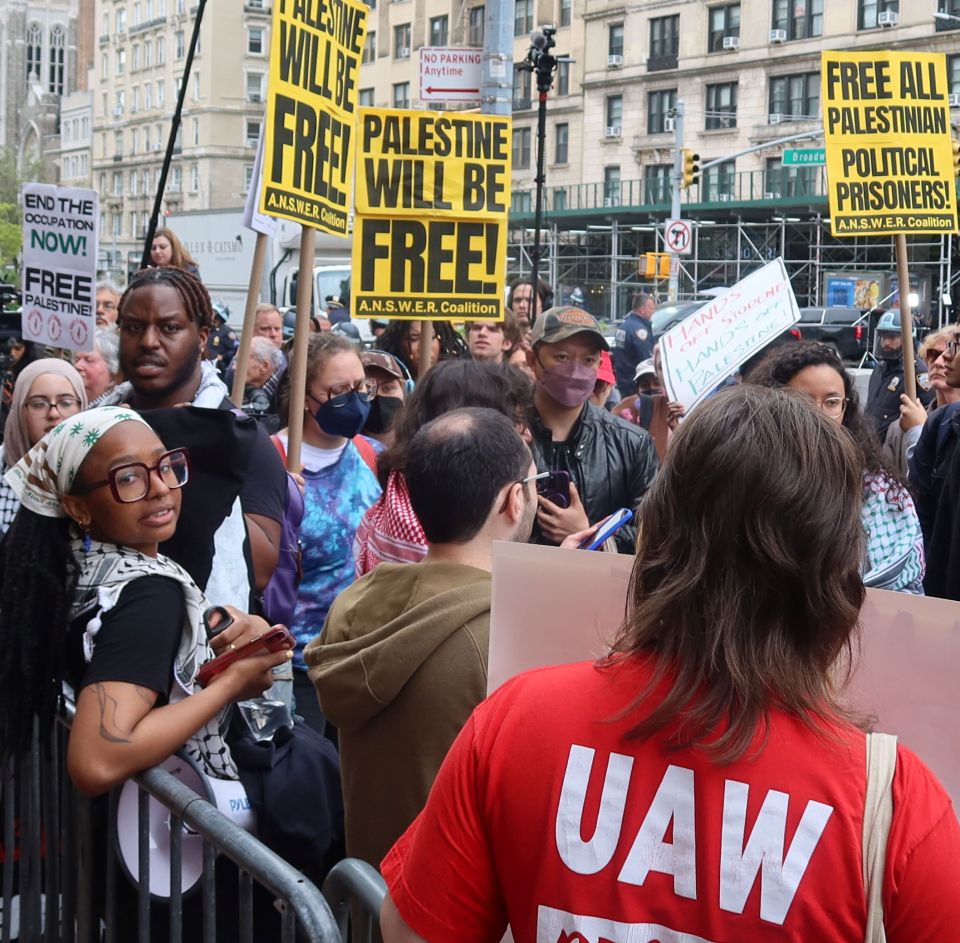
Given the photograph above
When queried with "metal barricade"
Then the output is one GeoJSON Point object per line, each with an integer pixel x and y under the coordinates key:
{"type": "Point", "coordinates": [61, 878]}
{"type": "Point", "coordinates": [355, 889]}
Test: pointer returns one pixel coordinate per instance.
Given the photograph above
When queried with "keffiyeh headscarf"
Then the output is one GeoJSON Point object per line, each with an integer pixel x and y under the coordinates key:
{"type": "Point", "coordinates": [47, 472]}
{"type": "Point", "coordinates": [40, 479]}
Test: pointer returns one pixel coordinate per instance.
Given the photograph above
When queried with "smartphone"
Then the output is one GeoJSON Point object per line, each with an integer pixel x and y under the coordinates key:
{"type": "Point", "coordinates": [273, 640]}
{"type": "Point", "coordinates": [607, 529]}
{"type": "Point", "coordinates": [556, 488]}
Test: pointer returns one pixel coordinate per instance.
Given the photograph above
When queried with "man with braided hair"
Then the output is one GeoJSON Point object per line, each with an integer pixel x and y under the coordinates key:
{"type": "Point", "coordinates": [230, 526]}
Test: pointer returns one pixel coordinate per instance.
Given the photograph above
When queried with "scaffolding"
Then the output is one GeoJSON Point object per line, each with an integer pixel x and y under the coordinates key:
{"type": "Point", "coordinates": [606, 261]}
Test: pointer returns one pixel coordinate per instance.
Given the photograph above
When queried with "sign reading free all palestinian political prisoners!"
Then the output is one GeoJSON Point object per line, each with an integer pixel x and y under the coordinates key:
{"type": "Point", "coordinates": [315, 52]}
{"type": "Point", "coordinates": [59, 273]}
{"type": "Point", "coordinates": [886, 122]}
{"type": "Point", "coordinates": [701, 351]}
{"type": "Point", "coordinates": [430, 233]}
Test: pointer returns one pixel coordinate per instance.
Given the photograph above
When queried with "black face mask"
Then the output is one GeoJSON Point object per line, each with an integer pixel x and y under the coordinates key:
{"type": "Point", "coordinates": [383, 410]}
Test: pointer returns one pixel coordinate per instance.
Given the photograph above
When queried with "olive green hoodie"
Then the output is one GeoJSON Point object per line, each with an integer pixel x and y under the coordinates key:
{"type": "Point", "coordinates": [400, 665]}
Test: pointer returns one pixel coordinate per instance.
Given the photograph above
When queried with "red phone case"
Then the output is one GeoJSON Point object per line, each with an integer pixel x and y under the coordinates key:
{"type": "Point", "coordinates": [274, 640]}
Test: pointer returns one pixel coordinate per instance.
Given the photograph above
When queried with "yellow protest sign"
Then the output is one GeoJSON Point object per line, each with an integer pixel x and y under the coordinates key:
{"type": "Point", "coordinates": [886, 122]}
{"type": "Point", "coordinates": [430, 232]}
{"type": "Point", "coordinates": [315, 52]}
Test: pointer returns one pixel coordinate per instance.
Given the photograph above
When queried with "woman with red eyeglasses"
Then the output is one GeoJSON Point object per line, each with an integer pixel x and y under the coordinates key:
{"type": "Point", "coordinates": [86, 597]}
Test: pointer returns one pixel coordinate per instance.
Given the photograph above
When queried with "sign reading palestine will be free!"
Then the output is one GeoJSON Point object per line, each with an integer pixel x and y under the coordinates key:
{"type": "Point", "coordinates": [315, 52]}
{"type": "Point", "coordinates": [886, 122]}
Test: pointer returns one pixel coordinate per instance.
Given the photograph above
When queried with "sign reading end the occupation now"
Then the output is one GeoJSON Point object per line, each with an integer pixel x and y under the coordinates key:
{"type": "Point", "coordinates": [886, 120]}
{"type": "Point", "coordinates": [433, 189]}
{"type": "Point", "coordinates": [315, 53]}
{"type": "Point", "coordinates": [59, 273]}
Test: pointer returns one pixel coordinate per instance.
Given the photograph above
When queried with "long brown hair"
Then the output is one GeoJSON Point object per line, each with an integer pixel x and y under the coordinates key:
{"type": "Point", "coordinates": [179, 255]}
{"type": "Point", "coordinates": [746, 588]}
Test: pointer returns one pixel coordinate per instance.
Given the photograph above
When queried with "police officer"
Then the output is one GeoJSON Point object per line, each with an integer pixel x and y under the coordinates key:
{"type": "Point", "coordinates": [223, 342]}
{"type": "Point", "coordinates": [336, 312]}
{"type": "Point", "coordinates": [886, 381]}
{"type": "Point", "coordinates": [634, 342]}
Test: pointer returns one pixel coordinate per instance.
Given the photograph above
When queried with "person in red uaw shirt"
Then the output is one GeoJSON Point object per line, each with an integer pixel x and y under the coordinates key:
{"type": "Point", "coordinates": [702, 783]}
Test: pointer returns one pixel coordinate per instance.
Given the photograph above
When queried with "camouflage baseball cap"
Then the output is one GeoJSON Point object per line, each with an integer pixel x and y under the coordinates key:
{"type": "Point", "coordinates": [565, 321]}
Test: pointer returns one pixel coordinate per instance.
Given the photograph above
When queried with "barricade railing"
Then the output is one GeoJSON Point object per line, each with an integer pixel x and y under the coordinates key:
{"type": "Point", "coordinates": [62, 880]}
{"type": "Point", "coordinates": [355, 891]}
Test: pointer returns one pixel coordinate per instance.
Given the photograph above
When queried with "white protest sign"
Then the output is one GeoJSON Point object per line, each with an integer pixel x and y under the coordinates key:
{"type": "Point", "coordinates": [555, 607]}
{"type": "Point", "coordinates": [705, 348]}
{"type": "Point", "coordinates": [59, 273]}
{"type": "Point", "coordinates": [450, 74]}
{"type": "Point", "coordinates": [252, 217]}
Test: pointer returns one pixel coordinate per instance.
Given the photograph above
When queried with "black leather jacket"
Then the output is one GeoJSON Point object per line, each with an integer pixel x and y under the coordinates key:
{"type": "Point", "coordinates": [612, 463]}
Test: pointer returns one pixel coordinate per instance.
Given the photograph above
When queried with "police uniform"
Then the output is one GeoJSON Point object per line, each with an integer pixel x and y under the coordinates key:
{"type": "Point", "coordinates": [885, 389]}
{"type": "Point", "coordinates": [634, 344]}
{"type": "Point", "coordinates": [222, 345]}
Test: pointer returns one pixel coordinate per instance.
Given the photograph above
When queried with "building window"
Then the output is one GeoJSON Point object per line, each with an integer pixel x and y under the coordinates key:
{"type": "Point", "coordinates": [795, 97]}
{"type": "Point", "coordinates": [438, 30]}
{"type": "Point", "coordinates": [147, 96]}
{"type": "Point", "coordinates": [664, 42]}
{"type": "Point", "coordinates": [161, 51]}
{"type": "Point", "coordinates": [615, 40]}
{"type": "Point", "coordinates": [196, 131]}
{"type": "Point", "coordinates": [721, 106]}
{"type": "Point", "coordinates": [57, 52]}
{"type": "Point", "coordinates": [366, 98]}
{"type": "Point", "coordinates": [521, 149]}
{"type": "Point", "coordinates": [178, 47]}
{"type": "Point", "coordinates": [194, 178]}
{"type": "Point", "coordinates": [104, 66]}
{"type": "Point", "coordinates": [160, 93]}
{"type": "Point", "coordinates": [522, 17]}
{"type": "Point", "coordinates": [401, 94]}
{"type": "Point", "coordinates": [34, 51]}
{"type": "Point", "coordinates": [134, 140]}
{"type": "Point", "coordinates": [614, 114]}
{"type": "Point", "coordinates": [136, 14]}
{"type": "Point", "coordinates": [196, 86]}
{"type": "Point", "coordinates": [561, 141]}
{"type": "Point", "coordinates": [176, 179]}
{"type": "Point", "coordinates": [158, 139]}
{"type": "Point", "coordinates": [563, 78]}
{"type": "Point", "coordinates": [117, 183]}
{"type": "Point", "coordinates": [566, 12]}
{"type": "Point", "coordinates": [121, 61]}
{"type": "Point", "coordinates": [521, 89]}
{"type": "Point", "coordinates": [658, 105]}
{"type": "Point", "coordinates": [252, 136]}
{"type": "Point", "coordinates": [247, 177]}
{"type": "Point", "coordinates": [953, 74]}
{"type": "Point", "coordinates": [870, 10]}
{"type": "Point", "coordinates": [559, 199]}
{"type": "Point", "coordinates": [611, 185]}
{"type": "Point", "coordinates": [401, 41]}
{"type": "Point", "coordinates": [780, 181]}
{"type": "Point", "coordinates": [370, 47]}
{"type": "Point", "coordinates": [254, 87]}
{"type": "Point", "coordinates": [475, 33]}
{"type": "Point", "coordinates": [656, 183]}
{"type": "Point", "coordinates": [719, 181]}
{"type": "Point", "coordinates": [255, 41]}
{"type": "Point", "coordinates": [135, 99]}
{"type": "Point", "coordinates": [800, 18]}
{"type": "Point", "coordinates": [115, 225]}
{"type": "Point", "coordinates": [724, 22]}
{"type": "Point", "coordinates": [121, 20]}
{"type": "Point", "coordinates": [133, 223]}
{"type": "Point", "coordinates": [952, 8]}
{"type": "Point", "coordinates": [147, 54]}
{"type": "Point", "coordinates": [119, 104]}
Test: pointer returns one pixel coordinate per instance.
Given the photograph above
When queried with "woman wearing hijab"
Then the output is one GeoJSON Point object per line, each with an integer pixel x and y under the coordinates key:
{"type": "Point", "coordinates": [47, 391]}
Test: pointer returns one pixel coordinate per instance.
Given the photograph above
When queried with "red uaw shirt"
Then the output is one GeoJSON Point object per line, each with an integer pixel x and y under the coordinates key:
{"type": "Point", "coordinates": [544, 816]}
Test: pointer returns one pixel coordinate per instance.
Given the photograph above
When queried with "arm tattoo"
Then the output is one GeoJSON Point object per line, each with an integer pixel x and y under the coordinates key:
{"type": "Point", "coordinates": [146, 695]}
{"type": "Point", "coordinates": [108, 703]}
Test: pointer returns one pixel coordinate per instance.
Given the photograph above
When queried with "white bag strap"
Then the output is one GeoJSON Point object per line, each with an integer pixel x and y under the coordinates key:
{"type": "Point", "coordinates": [877, 816]}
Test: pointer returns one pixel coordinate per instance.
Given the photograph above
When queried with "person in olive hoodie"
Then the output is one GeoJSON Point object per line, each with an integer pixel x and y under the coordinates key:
{"type": "Point", "coordinates": [402, 660]}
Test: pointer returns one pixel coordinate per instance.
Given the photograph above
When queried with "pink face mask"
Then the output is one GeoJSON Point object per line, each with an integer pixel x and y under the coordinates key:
{"type": "Point", "coordinates": [568, 383]}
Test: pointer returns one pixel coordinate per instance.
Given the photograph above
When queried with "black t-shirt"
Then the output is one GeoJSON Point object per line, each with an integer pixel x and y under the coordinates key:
{"type": "Point", "coordinates": [138, 637]}
{"type": "Point", "coordinates": [264, 489]}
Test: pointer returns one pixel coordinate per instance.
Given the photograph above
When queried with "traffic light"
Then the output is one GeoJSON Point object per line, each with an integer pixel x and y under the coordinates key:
{"type": "Point", "coordinates": [691, 168]}
{"type": "Point", "coordinates": [656, 265]}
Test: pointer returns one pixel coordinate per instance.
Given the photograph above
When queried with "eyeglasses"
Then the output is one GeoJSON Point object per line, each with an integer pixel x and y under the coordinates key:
{"type": "Point", "coordinates": [832, 405]}
{"type": "Point", "coordinates": [951, 347]}
{"type": "Point", "coordinates": [932, 355]}
{"type": "Point", "coordinates": [131, 483]}
{"type": "Point", "coordinates": [367, 386]}
{"type": "Point", "coordinates": [40, 405]}
{"type": "Point", "coordinates": [522, 482]}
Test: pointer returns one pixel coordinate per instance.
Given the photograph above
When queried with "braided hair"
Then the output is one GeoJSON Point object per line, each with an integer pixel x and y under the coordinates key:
{"type": "Point", "coordinates": [193, 293]}
{"type": "Point", "coordinates": [393, 341]}
{"type": "Point", "coordinates": [38, 574]}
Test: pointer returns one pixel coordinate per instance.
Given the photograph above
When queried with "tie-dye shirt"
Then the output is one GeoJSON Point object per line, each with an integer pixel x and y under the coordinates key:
{"type": "Point", "coordinates": [337, 497]}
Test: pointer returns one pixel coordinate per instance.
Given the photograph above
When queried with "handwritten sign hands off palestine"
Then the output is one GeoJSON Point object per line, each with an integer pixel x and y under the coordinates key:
{"type": "Point", "coordinates": [886, 120]}
{"type": "Point", "coordinates": [59, 272]}
{"type": "Point", "coordinates": [706, 347]}
{"type": "Point", "coordinates": [431, 215]}
{"type": "Point", "coordinates": [315, 53]}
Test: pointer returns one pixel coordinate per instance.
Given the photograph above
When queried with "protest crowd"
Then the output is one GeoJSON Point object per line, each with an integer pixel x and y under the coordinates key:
{"type": "Point", "coordinates": [701, 781]}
